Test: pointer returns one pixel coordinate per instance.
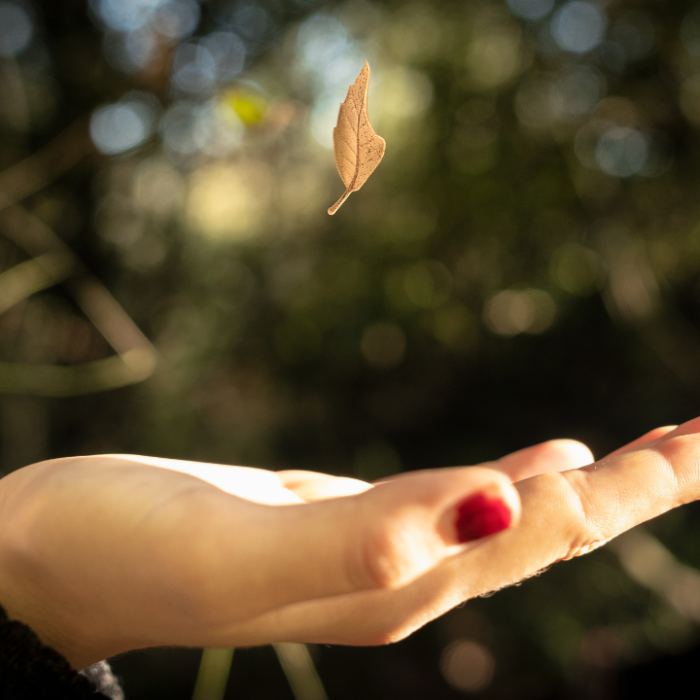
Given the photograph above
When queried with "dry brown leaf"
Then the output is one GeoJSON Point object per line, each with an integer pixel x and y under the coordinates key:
{"type": "Point", "coordinates": [357, 147]}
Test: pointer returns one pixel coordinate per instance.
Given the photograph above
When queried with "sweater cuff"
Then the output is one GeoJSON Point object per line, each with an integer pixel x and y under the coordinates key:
{"type": "Point", "coordinates": [30, 669]}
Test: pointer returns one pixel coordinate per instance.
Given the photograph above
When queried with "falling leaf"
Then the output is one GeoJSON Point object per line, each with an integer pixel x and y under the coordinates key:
{"type": "Point", "coordinates": [357, 147]}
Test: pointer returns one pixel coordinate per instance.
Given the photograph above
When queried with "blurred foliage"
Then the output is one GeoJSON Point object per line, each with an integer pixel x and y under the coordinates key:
{"type": "Point", "coordinates": [523, 265]}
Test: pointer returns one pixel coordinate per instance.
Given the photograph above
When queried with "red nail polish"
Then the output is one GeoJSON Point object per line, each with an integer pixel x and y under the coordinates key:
{"type": "Point", "coordinates": [479, 516]}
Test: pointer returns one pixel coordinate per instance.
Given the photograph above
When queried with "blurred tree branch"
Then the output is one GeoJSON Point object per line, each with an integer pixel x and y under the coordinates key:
{"type": "Point", "coordinates": [54, 262]}
{"type": "Point", "coordinates": [41, 168]}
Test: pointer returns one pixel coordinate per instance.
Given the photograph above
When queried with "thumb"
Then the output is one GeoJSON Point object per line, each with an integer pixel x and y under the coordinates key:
{"type": "Point", "coordinates": [410, 524]}
{"type": "Point", "coordinates": [380, 539]}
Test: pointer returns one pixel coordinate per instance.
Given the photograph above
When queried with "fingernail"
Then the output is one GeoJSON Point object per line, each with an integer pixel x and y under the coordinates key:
{"type": "Point", "coordinates": [479, 516]}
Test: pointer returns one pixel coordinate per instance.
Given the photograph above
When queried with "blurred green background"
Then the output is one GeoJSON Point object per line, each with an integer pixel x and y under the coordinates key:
{"type": "Point", "coordinates": [523, 265]}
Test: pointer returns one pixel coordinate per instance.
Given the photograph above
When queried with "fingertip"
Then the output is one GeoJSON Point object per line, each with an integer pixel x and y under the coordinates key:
{"type": "Point", "coordinates": [572, 453]}
{"type": "Point", "coordinates": [687, 428]}
{"type": "Point", "coordinates": [655, 434]}
{"type": "Point", "coordinates": [551, 456]}
{"type": "Point", "coordinates": [664, 430]}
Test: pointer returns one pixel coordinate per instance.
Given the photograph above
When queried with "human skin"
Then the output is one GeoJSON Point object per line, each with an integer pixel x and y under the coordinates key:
{"type": "Point", "coordinates": [104, 554]}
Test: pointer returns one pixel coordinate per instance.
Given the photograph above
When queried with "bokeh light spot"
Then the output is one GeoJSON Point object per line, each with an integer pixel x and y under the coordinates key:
{"type": "Point", "coordinates": [467, 666]}
{"type": "Point", "coordinates": [530, 9]}
{"type": "Point", "coordinates": [328, 53]}
{"type": "Point", "coordinates": [158, 188]}
{"type": "Point", "coordinates": [229, 52]}
{"type": "Point", "coordinates": [251, 22]}
{"type": "Point", "coordinates": [576, 92]}
{"type": "Point", "coordinates": [122, 126]}
{"type": "Point", "coordinates": [511, 312]}
{"type": "Point", "coordinates": [125, 15]}
{"type": "Point", "coordinates": [322, 39]}
{"type": "Point", "coordinates": [324, 117]}
{"type": "Point", "coordinates": [622, 152]}
{"type": "Point", "coordinates": [193, 69]}
{"type": "Point", "coordinates": [176, 19]}
{"type": "Point", "coordinates": [578, 26]}
{"type": "Point", "coordinates": [495, 55]}
{"type": "Point", "coordinates": [186, 127]}
{"type": "Point", "coordinates": [404, 93]}
{"type": "Point", "coordinates": [228, 202]}
{"type": "Point", "coordinates": [16, 29]}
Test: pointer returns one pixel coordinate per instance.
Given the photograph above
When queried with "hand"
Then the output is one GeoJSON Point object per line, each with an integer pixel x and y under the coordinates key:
{"type": "Point", "coordinates": [104, 554]}
{"type": "Point", "coordinates": [108, 553]}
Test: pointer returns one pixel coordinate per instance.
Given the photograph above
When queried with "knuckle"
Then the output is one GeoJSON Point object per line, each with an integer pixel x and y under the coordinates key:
{"type": "Point", "coordinates": [678, 460]}
{"type": "Point", "coordinates": [582, 525]}
{"type": "Point", "coordinates": [386, 558]}
{"type": "Point", "coordinates": [593, 526]}
{"type": "Point", "coordinates": [578, 549]}
{"type": "Point", "coordinates": [583, 542]}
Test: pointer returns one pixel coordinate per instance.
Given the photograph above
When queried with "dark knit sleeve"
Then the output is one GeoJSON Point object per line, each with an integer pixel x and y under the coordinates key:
{"type": "Point", "coordinates": [29, 670]}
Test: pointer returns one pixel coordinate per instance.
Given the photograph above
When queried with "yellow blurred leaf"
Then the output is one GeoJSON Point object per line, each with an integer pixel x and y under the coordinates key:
{"type": "Point", "coordinates": [249, 107]}
{"type": "Point", "coordinates": [357, 147]}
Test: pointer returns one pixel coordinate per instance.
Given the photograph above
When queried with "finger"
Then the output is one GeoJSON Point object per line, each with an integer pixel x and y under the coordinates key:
{"type": "Point", "coordinates": [380, 539]}
{"type": "Point", "coordinates": [545, 458]}
{"type": "Point", "coordinates": [688, 428]}
{"type": "Point", "coordinates": [652, 435]}
{"type": "Point", "coordinates": [314, 486]}
{"type": "Point", "coordinates": [569, 514]}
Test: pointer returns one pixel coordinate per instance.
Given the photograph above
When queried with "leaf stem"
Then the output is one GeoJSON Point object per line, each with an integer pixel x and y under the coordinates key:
{"type": "Point", "coordinates": [336, 206]}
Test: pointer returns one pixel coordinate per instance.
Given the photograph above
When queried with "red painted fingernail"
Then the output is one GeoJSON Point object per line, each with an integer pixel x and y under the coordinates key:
{"type": "Point", "coordinates": [479, 516]}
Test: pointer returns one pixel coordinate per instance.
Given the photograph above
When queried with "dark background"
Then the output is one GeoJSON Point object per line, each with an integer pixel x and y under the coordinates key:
{"type": "Point", "coordinates": [523, 265]}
